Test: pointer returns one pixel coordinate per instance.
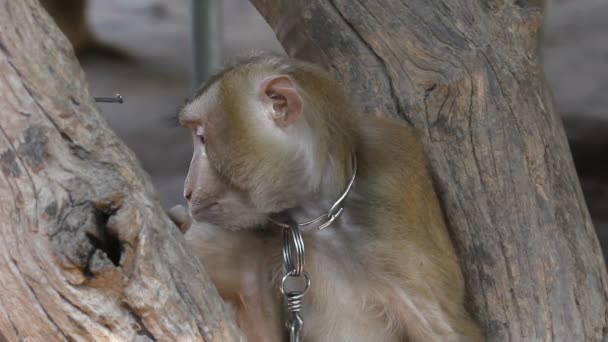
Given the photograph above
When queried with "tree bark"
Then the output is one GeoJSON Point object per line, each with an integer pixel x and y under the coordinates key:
{"type": "Point", "coordinates": [86, 251]}
{"type": "Point", "coordinates": [467, 75]}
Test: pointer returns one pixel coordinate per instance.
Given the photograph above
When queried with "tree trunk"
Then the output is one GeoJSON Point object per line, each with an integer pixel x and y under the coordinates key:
{"type": "Point", "coordinates": [467, 75]}
{"type": "Point", "coordinates": [86, 251]}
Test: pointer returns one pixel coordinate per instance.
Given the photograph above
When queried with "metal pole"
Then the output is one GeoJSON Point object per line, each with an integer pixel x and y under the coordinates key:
{"type": "Point", "coordinates": [207, 38]}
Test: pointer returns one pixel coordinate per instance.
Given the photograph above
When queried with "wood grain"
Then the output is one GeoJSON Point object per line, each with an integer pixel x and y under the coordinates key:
{"type": "Point", "coordinates": [467, 75]}
{"type": "Point", "coordinates": [86, 251]}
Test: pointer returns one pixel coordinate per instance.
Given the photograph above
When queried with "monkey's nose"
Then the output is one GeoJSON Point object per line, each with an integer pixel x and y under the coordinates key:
{"type": "Point", "coordinates": [187, 194]}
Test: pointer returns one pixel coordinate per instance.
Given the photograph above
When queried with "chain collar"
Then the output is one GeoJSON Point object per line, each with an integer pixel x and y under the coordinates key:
{"type": "Point", "coordinates": [334, 212]}
{"type": "Point", "coordinates": [293, 260]}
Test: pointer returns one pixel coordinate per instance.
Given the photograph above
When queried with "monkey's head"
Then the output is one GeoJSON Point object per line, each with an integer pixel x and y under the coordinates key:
{"type": "Point", "coordinates": [269, 133]}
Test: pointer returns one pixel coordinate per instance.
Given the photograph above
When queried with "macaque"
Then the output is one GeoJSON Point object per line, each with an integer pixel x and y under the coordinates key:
{"type": "Point", "coordinates": [71, 17]}
{"type": "Point", "coordinates": [276, 137]}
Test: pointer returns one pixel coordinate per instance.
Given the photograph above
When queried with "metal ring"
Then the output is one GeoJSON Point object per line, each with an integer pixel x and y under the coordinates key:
{"type": "Point", "coordinates": [338, 204]}
{"type": "Point", "coordinates": [280, 224]}
{"type": "Point", "coordinates": [291, 275]}
{"type": "Point", "coordinates": [287, 262]}
{"type": "Point", "coordinates": [331, 219]}
{"type": "Point", "coordinates": [293, 263]}
{"type": "Point", "coordinates": [334, 211]}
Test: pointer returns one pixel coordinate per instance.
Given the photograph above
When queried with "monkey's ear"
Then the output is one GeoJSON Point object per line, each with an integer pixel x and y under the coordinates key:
{"type": "Point", "coordinates": [286, 103]}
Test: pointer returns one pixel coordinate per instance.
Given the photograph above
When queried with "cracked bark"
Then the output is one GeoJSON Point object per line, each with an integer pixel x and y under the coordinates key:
{"type": "Point", "coordinates": [86, 251]}
{"type": "Point", "coordinates": [467, 75]}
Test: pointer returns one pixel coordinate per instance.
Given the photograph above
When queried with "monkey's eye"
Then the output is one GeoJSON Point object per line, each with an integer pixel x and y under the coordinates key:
{"type": "Point", "coordinates": [200, 133]}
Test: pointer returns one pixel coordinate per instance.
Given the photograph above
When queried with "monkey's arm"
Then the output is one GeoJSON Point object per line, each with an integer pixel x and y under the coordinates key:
{"type": "Point", "coordinates": [426, 288]}
{"type": "Point", "coordinates": [240, 265]}
{"type": "Point", "coordinates": [429, 315]}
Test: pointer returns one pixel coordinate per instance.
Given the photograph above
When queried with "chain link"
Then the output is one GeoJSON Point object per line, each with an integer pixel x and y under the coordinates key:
{"type": "Point", "coordinates": [293, 257]}
{"type": "Point", "coordinates": [293, 262]}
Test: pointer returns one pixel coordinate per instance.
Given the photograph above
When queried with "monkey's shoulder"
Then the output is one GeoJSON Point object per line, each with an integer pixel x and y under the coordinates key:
{"type": "Point", "coordinates": [392, 161]}
{"type": "Point", "coordinates": [390, 142]}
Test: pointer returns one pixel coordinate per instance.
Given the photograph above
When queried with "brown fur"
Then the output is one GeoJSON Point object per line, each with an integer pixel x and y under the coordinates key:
{"type": "Point", "coordinates": [385, 271]}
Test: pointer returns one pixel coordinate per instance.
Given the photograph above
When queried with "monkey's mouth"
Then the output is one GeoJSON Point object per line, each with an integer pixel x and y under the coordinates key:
{"type": "Point", "coordinates": [199, 211]}
{"type": "Point", "coordinates": [208, 206]}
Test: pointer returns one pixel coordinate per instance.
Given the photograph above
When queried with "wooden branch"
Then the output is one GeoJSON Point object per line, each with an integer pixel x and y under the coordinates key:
{"type": "Point", "coordinates": [86, 251]}
{"type": "Point", "coordinates": [467, 75]}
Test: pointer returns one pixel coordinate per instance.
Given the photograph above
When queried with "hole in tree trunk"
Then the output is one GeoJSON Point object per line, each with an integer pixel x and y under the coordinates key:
{"type": "Point", "coordinates": [106, 241]}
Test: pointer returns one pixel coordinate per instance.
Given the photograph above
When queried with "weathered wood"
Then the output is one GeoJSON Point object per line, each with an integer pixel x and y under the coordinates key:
{"type": "Point", "coordinates": [466, 74]}
{"type": "Point", "coordinates": [86, 251]}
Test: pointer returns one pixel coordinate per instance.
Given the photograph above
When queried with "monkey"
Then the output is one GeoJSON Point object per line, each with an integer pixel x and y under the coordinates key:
{"type": "Point", "coordinates": [72, 19]}
{"type": "Point", "coordinates": [276, 139]}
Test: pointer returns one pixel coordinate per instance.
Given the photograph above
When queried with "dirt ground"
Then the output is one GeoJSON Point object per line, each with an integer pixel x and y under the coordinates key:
{"type": "Point", "coordinates": [156, 79]}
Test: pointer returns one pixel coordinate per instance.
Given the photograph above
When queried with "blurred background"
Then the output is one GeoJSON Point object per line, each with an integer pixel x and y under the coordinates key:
{"type": "Point", "coordinates": [143, 50]}
{"type": "Point", "coordinates": [157, 74]}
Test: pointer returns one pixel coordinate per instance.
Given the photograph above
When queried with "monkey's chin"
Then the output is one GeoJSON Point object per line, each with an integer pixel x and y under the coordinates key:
{"type": "Point", "coordinates": [241, 221]}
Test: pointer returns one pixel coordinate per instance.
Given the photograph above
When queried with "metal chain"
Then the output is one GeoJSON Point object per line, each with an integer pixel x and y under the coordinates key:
{"type": "Point", "coordinates": [293, 259]}
{"type": "Point", "coordinates": [293, 262]}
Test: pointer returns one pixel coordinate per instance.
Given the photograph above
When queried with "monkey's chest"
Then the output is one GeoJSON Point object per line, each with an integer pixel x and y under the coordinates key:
{"type": "Point", "coordinates": [340, 305]}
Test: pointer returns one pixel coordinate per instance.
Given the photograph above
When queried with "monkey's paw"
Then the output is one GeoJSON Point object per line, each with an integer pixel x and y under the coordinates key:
{"type": "Point", "coordinates": [179, 215]}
